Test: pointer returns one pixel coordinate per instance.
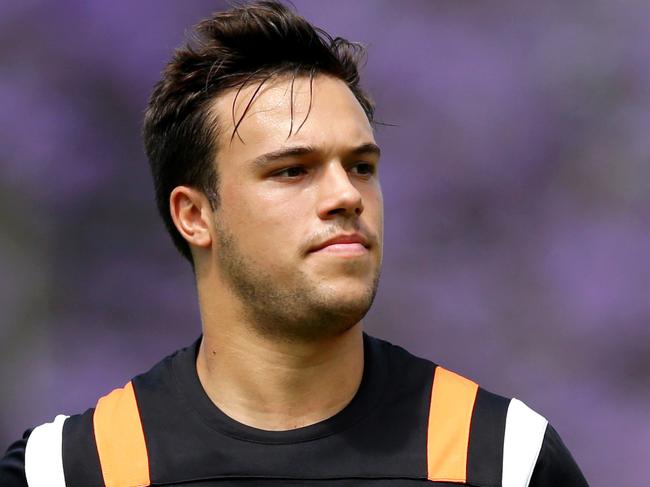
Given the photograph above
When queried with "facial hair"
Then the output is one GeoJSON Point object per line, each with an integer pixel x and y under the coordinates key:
{"type": "Point", "coordinates": [300, 311]}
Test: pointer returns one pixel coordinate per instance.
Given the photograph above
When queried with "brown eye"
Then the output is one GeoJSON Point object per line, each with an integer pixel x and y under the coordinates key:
{"type": "Point", "coordinates": [364, 169]}
{"type": "Point", "coordinates": [291, 172]}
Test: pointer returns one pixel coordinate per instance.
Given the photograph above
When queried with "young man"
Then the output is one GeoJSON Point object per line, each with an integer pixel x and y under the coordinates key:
{"type": "Point", "coordinates": [266, 173]}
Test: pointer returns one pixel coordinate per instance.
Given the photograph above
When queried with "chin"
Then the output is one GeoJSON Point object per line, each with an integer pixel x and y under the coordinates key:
{"type": "Point", "coordinates": [350, 305]}
{"type": "Point", "coordinates": [323, 317]}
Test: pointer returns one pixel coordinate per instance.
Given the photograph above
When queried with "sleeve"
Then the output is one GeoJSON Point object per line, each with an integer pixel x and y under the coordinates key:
{"type": "Point", "coordinates": [555, 466]}
{"type": "Point", "coordinates": [12, 464]}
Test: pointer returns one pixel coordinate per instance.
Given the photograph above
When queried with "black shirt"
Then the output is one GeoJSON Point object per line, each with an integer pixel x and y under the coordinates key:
{"type": "Point", "coordinates": [394, 432]}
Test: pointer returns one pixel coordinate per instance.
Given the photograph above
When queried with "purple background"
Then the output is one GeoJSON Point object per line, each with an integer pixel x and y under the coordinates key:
{"type": "Point", "coordinates": [516, 187]}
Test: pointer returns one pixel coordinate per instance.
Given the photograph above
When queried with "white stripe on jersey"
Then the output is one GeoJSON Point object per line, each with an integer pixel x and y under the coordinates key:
{"type": "Point", "coordinates": [44, 455]}
{"type": "Point", "coordinates": [523, 440]}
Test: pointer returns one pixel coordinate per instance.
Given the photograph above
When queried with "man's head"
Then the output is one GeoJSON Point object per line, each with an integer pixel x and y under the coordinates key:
{"type": "Point", "coordinates": [262, 150]}
{"type": "Point", "coordinates": [231, 49]}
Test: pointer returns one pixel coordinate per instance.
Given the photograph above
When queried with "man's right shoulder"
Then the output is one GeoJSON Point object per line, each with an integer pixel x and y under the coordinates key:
{"type": "Point", "coordinates": [37, 459]}
{"type": "Point", "coordinates": [69, 447]}
{"type": "Point", "coordinates": [67, 451]}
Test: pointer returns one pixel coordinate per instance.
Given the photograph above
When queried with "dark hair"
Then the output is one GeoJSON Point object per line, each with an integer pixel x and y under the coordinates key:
{"type": "Point", "coordinates": [230, 49]}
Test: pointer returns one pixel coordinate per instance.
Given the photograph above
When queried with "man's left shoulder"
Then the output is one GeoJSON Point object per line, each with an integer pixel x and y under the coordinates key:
{"type": "Point", "coordinates": [479, 437]}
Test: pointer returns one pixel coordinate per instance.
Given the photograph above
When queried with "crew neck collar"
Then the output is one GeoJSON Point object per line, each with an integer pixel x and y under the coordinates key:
{"type": "Point", "coordinates": [373, 381]}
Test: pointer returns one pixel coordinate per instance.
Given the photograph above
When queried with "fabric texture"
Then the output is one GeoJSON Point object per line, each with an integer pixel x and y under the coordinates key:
{"type": "Point", "coordinates": [410, 423]}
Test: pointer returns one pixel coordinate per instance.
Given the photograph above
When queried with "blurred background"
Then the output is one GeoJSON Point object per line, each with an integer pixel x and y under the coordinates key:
{"type": "Point", "coordinates": [516, 183]}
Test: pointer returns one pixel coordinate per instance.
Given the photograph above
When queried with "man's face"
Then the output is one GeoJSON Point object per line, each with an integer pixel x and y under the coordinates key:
{"type": "Point", "coordinates": [283, 198]}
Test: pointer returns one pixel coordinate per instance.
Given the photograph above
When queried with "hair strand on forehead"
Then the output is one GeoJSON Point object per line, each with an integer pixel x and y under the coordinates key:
{"type": "Point", "coordinates": [311, 97]}
{"type": "Point", "coordinates": [293, 82]}
{"type": "Point", "coordinates": [248, 106]}
{"type": "Point", "coordinates": [234, 103]}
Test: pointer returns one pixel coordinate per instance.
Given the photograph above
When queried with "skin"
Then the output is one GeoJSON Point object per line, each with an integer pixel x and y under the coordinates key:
{"type": "Point", "coordinates": [282, 333]}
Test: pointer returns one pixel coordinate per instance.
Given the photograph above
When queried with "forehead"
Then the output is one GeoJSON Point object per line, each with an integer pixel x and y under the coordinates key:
{"type": "Point", "coordinates": [286, 111]}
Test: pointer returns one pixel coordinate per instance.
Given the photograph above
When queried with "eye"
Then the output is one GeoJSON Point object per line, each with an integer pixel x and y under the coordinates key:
{"type": "Point", "coordinates": [364, 169]}
{"type": "Point", "coordinates": [291, 172]}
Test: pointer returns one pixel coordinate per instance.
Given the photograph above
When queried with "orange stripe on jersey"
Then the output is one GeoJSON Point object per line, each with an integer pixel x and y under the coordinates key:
{"type": "Point", "coordinates": [120, 439]}
{"type": "Point", "coordinates": [450, 415]}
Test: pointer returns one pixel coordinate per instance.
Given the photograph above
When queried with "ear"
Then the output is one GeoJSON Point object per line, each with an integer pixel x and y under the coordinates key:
{"type": "Point", "coordinates": [191, 212]}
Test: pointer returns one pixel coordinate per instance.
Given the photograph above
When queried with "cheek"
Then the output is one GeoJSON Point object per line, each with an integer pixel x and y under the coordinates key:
{"type": "Point", "coordinates": [374, 206]}
{"type": "Point", "coordinates": [265, 223]}
{"type": "Point", "coordinates": [283, 205]}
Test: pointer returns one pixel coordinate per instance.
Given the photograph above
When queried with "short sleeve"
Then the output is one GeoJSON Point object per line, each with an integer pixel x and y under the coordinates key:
{"type": "Point", "coordinates": [555, 466]}
{"type": "Point", "coordinates": [12, 464]}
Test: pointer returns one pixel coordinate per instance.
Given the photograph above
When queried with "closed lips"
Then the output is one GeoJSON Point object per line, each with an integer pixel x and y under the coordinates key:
{"type": "Point", "coordinates": [342, 239]}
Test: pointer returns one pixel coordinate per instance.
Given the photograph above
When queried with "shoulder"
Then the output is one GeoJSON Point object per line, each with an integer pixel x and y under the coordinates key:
{"type": "Point", "coordinates": [555, 464]}
{"type": "Point", "coordinates": [508, 443]}
{"type": "Point", "coordinates": [29, 461]}
{"type": "Point", "coordinates": [533, 452]}
{"type": "Point", "coordinates": [82, 448]}
{"type": "Point", "coordinates": [479, 437]}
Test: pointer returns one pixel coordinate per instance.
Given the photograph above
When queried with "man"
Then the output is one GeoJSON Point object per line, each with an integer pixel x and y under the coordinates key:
{"type": "Point", "coordinates": [266, 173]}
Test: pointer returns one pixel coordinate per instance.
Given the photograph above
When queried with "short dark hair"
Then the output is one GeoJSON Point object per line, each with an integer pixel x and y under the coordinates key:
{"type": "Point", "coordinates": [249, 43]}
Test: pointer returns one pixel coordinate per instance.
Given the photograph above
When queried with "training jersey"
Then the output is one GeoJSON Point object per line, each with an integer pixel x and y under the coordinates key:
{"type": "Point", "coordinates": [411, 423]}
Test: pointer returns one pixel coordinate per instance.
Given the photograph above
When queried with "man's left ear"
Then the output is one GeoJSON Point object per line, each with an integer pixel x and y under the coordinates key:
{"type": "Point", "coordinates": [191, 212]}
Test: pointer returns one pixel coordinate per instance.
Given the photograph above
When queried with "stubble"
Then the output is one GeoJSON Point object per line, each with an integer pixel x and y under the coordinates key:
{"type": "Point", "coordinates": [299, 311]}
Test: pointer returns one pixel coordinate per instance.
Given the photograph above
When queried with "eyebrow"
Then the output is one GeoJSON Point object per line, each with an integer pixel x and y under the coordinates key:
{"type": "Point", "coordinates": [271, 157]}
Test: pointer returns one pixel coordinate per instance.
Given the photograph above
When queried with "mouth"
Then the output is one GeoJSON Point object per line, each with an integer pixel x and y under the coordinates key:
{"type": "Point", "coordinates": [343, 245]}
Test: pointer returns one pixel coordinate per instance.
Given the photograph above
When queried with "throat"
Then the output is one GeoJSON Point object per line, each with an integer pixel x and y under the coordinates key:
{"type": "Point", "coordinates": [279, 387]}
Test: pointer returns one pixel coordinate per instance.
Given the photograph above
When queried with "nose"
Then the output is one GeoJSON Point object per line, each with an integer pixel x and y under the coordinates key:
{"type": "Point", "coordinates": [338, 196]}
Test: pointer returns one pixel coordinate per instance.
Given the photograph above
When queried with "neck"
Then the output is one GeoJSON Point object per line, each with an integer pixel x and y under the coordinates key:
{"type": "Point", "coordinates": [273, 385]}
